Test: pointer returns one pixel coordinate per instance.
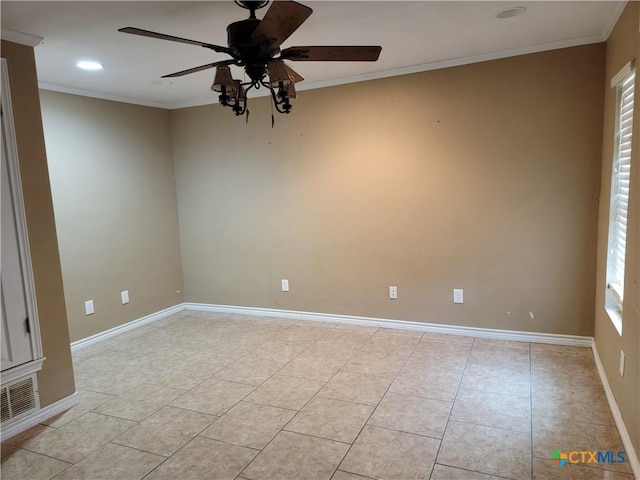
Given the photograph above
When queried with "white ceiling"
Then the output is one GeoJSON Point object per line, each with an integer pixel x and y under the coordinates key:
{"type": "Point", "coordinates": [414, 35]}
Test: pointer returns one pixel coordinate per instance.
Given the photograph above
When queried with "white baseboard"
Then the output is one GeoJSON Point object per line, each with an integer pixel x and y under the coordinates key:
{"type": "Point", "coordinates": [99, 337]}
{"type": "Point", "coordinates": [534, 337]}
{"type": "Point", "coordinates": [617, 416]}
{"type": "Point", "coordinates": [66, 403]}
{"type": "Point", "coordinates": [11, 429]}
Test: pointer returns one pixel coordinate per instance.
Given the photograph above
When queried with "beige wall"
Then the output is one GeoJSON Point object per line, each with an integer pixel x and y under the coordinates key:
{"type": "Point", "coordinates": [483, 177]}
{"type": "Point", "coordinates": [114, 193]}
{"type": "Point", "coordinates": [55, 380]}
{"type": "Point", "coordinates": [623, 46]}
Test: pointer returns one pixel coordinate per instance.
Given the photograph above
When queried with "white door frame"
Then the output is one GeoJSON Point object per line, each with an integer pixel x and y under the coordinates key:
{"type": "Point", "coordinates": [22, 233]}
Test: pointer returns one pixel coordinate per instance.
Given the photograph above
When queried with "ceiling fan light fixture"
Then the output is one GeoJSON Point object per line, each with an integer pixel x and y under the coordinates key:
{"type": "Point", "coordinates": [510, 12]}
{"type": "Point", "coordinates": [253, 45]}
{"type": "Point", "coordinates": [291, 91]}
{"type": "Point", "coordinates": [237, 90]}
{"type": "Point", "coordinates": [223, 78]}
{"type": "Point", "coordinates": [89, 65]}
{"type": "Point", "coordinates": [278, 73]}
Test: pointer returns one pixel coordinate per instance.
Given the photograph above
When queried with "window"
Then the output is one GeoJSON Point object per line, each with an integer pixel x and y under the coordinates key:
{"type": "Point", "coordinates": [621, 174]}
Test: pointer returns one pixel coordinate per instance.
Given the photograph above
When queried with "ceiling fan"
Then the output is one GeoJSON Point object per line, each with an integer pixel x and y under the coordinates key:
{"type": "Point", "coordinates": [255, 45]}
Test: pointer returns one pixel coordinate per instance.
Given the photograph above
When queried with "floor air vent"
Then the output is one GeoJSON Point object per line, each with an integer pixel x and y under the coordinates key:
{"type": "Point", "coordinates": [19, 398]}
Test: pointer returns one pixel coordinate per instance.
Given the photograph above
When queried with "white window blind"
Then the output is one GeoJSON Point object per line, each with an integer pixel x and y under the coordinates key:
{"type": "Point", "coordinates": [620, 179]}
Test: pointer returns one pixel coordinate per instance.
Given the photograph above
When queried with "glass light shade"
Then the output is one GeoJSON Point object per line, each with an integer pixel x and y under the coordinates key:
{"type": "Point", "coordinates": [223, 78]}
{"type": "Point", "coordinates": [291, 90]}
{"type": "Point", "coordinates": [278, 73]}
{"type": "Point", "coordinates": [238, 89]}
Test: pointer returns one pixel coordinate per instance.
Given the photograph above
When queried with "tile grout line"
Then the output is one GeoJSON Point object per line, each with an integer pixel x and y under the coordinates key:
{"type": "Point", "coordinates": [168, 405]}
{"type": "Point", "coordinates": [374, 407]}
{"type": "Point", "coordinates": [178, 450]}
{"type": "Point", "coordinates": [402, 431]}
{"type": "Point", "coordinates": [377, 404]}
{"type": "Point", "coordinates": [492, 475]}
{"type": "Point", "coordinates": [455, 397]}
{"type": "Point", "coordinates": [204, 428]}
{"type": "Point", "coordinates": [234, 331]}
{"type": "Point", "coordinates": [71, 464]}
{"type": "Point", "coordinates": [314, 395]}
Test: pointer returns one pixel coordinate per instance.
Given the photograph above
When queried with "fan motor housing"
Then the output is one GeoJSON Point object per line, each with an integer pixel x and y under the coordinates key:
{"type": "Point", "coordinates": [254, 55]}
{"type": "Point", "coordinates": [239, 38]}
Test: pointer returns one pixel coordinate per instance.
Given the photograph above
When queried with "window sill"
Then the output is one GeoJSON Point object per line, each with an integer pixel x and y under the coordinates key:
{"type": "Point", "coordinates": [616, 319]}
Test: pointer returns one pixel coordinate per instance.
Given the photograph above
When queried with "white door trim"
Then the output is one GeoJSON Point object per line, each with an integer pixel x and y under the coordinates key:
{"type": "Point", "coordinates": [18, 200]}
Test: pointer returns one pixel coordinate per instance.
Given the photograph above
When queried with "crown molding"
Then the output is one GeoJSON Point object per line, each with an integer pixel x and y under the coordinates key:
{"type": "Point", "coordinates": [102, 96]}
{"type": "Point", "coordinates": [20, 37]}
{"type": "Point", "coordinates": [424, 67]}
{"type": "Point", "coordinates": [202, 100]}
{"type": "Point", "coordinates": [613, 20]}
{"type": "Point", "coordinates": [455, 62]}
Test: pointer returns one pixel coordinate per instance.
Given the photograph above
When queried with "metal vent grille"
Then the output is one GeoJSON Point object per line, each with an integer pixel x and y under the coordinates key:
{"type": "Point", "coordinates": [19, 398]}
{"type": "Point", "coordinates": [6, 414]}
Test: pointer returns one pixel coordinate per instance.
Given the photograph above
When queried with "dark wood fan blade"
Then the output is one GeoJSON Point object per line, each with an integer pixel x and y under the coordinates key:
{"type": "Point", "coordinates": [198, 69]}
{"type": "Point", "coordinates": [295, 76]}
{"type": "Point", "coordinates": [332, 54]}
{"type": "Point", "coordinates": [162, 36]}
{"type": "Point", "coordinates": [281, 20]}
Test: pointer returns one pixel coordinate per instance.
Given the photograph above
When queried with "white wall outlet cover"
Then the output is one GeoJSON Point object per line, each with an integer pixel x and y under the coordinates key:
{"type": "Point", "coordinates": [124, 295]}
{"type": "Point", "coordinates": [458, 295]}
{"type": "Point", "coordinates": [285, 285]}
{"type": "Point", "coordinates": [393, 293]}
{"type": "Point", "coordinates": [88, 307]}
{"type": "Point", "coordinates": [622, 355]}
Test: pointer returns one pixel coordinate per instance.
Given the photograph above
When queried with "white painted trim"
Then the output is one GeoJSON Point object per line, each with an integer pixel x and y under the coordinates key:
{"type": "Point", "coordinates": [206, 99]}
{"type": "Point", "coordinates": [20, 37]}
{"type": "Point", "coordinates": [534, 337]}
{"type": "Point", "coordinates": [15, 181]}
{"type": "Point", "coordinates": [20, 371]}
{"type": "Point", "coordinates": [548, 338]}
{"type": "Point", "coordinates": [613, 20]}
{"type": "Point", "coordinates": [11, 429]}
{"type": "Point", "coordinates": [99, 337]}
{"type": "Point", "coordinates": [102, 96]}
{"type": "Point", "coordinates": [454, 62]}
{"type": "Point", "coordinates": [617, 415]}
{"type": "Point", "coordinates": [624, 71]}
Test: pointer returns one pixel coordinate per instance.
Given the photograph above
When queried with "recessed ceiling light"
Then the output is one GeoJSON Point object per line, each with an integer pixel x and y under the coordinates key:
{"type": "Point", "coordinates": [89, 65]}
{"type": "Point", "coordinates": [511, 12]}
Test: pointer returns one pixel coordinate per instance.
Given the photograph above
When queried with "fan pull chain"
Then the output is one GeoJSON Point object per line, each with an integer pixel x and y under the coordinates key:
{"type": "Point", "coordinates": [273, 118]}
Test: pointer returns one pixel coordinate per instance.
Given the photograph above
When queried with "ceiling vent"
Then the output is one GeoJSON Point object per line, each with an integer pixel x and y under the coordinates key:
{"type": "Point", "coordinates": [19, 398]}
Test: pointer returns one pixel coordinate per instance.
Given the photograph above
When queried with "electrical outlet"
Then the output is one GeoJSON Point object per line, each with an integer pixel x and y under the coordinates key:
{"type": "Point", "coordinates": [88, 307]}
{"type": "Point", "coordinates": [622, 355]}
{"type": "Point", "coordinates": [285, 285]}
{"type": "Point", "coordinates": [458, 295]}
{"type": "Point", "coordinates": [124, 296]}
{"type": "Point", "coordinates": [393, 293]}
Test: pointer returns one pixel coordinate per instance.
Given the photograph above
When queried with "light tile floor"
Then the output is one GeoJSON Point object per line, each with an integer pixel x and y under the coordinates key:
{"type": "Point", "coordinates": [197, 396]}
